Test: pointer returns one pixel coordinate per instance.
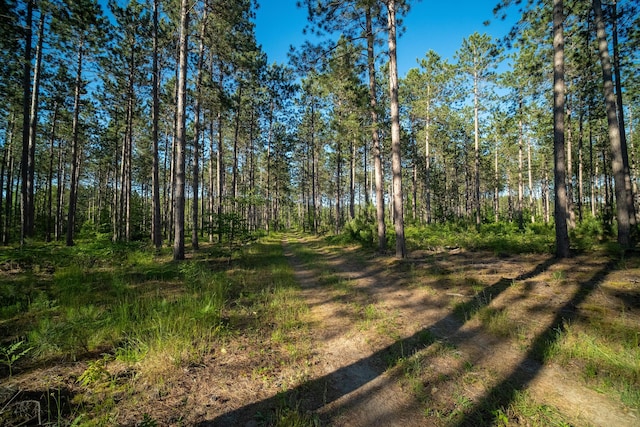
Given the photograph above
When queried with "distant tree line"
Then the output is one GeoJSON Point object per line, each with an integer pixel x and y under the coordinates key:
{"type": "Point", "coordinates": [163, 119]}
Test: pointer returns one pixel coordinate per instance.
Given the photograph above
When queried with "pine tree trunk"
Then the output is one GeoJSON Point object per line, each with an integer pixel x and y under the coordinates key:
{"type": "Point", "coordinates": [621, 121]}
{"type": "Point", "coordinates": [196, 135]}
{"type": "Point", "coordinates": [251, 214]}
{"type": "Point", "coordinates": [179, 185]}
{"type": "Point", "coordinates": [562, 236]}
{"type": "Point", "coordinates": [545, 193]}
{"type": "Point", "coordinates": [377, 151]}
{"type": "Point", "coordinates": [338, 223]}
{"type": "Point", "coordinates": [33, 128]}
{"type": "Point", "coordinates": [220, 171]}
{"type": "Point", "coordinates": [61, 181]}
{"type": "Point", "coordinates": [211, 181]}
{"type": "Point", "coordinates": [314, 170]}
{"type": "Point", "coordinates": [128, 149]}
{"type": "Point", "coordinates": [73, 190]}
{"type": "Point", "coordinates": [571, 217]}
{"type": "Point", "coordinates": [476, 152]}
{"type": "Point", "coordinates": [269, 203]}
{"type": "Point", "coordinates": [427, 160]}
{"type": "Point", "coordinates": [54, 122]}
{"type": "Point", "coordinates": [580, 167]}
{"type": "Point", "coordinates": [352, 182]}
{"type": "Point", "coordinates": [530, 173]}
{"type": "Point", "coordinates": [6, 232]}
{"type": "Point", "coordinates": [156, 223]}
{"type": "Point", "coordinates": [617, 162]}
{"type": "Point", "coordinates": [396, 160]}
{"type": "Point", "coordinates": [594, 173]}
{"type": "Point", "coordinates": [236, 137]}
{"type": "Point", "coordinates": [234, 166]}
{"type": "Point", "coordinates": [25, 206]}
{"type": "Point", "coordinates": [7, 159]}
{"type": "Point", "coordinates": [119, 224]}
{"type": "Point", "coordinates": [496, 187]}
{"type": "Point", "coordinates": [520, 168]}
{"type": "Point", "coordinates": [414, 190]}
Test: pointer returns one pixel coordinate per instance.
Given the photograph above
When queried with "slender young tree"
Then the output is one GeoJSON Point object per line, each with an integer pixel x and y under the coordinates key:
{"type": "Point", "coordinates": [196, 133]}
{"type": "Point", "coordinates": [156, 227]}
{"type": "Point", "coordinates": [375, 133]}
{"type": "Point", "coordinates": [83, 28]}
{"type": "Point", "coordinates": [562, 235]}
{"type": "Point", "coordinates": [26, 202]}
{"type": "Point", "coordinates": [477, 58]}
{"type": "Point", "coordinates": [179, 184]}
{"type": "Point", "coordinates": [33, 125]}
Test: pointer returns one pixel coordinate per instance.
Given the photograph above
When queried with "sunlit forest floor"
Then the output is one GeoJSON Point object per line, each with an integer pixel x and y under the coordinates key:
{"type": "Point", "coordinates": [294, 330]}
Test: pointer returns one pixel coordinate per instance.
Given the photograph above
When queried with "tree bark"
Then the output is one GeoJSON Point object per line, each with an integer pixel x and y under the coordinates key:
{"type": "Point", "coordinates": [73, 190]}
{"type": "Point", "coordinates": [352, 181]}
{"type": "Point", "coordinates": [179, 185]}
{"type": "Point", "coordinates": [6, 232]}
{"type": "Point", "coordinates": [375, 136]}
{"type": "Point", "coordinates": [621, 121]}
{"type": "Point", "coordinates": [562, 236]}
{"type": "Point", "coordinates": [580, 166]}
{"type": "Point", "coordinates": [54, 122]}
{"type": "Point", "coordinates": [127, 149]}
{"type": "Point", "coordinates": [520, 167]}
{"type": "Point", "coordinates": [196, 135]}
{"type": "Point", "coordinates": [156, 227]}
{"type": "Point", "coordinates": [60, 180]}
{"type": "Point", "coordinates": [530, 173]}
{"type": "Point", "coordinates": [7, 166]}
{"type": "Point", "coordinates": [427, 159]}
{"type": "Point", "coordinates": [314, 170]}
{"type": "Point", "coordinates": [396, 160]}
{"type": "Point", "coordinates": [476, 152]}
{"type": "Point", "coordinates": [496, 187]}
{"type": "Point", "coordinates": [571, 217]}
{"type": "Point", "coordinates": [25, 206]}
{"type": "Point", "coordinates": [617, 161]}
{"type": "Point", "coordinates": [33, 127]}
{"type": "Point", "coordinates": [236, 138]}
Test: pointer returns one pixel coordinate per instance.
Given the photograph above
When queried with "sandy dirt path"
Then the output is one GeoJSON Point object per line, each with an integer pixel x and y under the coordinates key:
{"type": "Point", "coordinates": [361, 389]}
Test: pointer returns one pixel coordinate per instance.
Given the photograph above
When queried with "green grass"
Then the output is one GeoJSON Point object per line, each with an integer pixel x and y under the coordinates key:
{"type": "Point", "coordinates": [524, 407]}
{"type": "Point", "coordinates": [125, 304]}
{"type": "Point", "coordinates": [607, 353]}
{"type": "Point", "coordinates": [497, 322]}
{"type": "Point", "coordinates": [133, 316]}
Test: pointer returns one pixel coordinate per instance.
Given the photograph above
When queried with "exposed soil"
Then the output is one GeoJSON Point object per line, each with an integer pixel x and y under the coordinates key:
{"type": "Point", "coordinates": [538, 292]}
{"type": "Point", "coordinates": [401, 343]}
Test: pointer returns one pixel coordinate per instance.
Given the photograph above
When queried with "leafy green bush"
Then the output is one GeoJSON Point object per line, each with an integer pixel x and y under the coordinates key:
{"type": "Point", "coordinates": [587, 234]}
{"type": "Point", "coordinates": [362, 230]}
{"type": "Point", "coordinates": [501, 237]}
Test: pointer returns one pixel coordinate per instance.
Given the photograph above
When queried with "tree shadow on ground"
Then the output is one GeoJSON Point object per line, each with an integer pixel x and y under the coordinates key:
{"type": "Point", "coordinates": [314, 394]}
{"type": "Point", "coordinates": [505, 392]}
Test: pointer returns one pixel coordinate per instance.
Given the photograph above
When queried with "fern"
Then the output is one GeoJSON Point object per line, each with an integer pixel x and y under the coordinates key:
{"type": "Point", "coordinates": [10, 355]}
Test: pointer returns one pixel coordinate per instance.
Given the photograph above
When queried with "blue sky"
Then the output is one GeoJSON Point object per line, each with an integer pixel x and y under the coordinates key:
{"type": "Point", "coordinates": [430, 24]}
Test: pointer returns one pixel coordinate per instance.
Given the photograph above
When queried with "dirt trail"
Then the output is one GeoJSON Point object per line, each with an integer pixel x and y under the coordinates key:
{"type": "Point", "coordinates": [358, 391]}
{"type": "Point", "coordinates": [361, 391]}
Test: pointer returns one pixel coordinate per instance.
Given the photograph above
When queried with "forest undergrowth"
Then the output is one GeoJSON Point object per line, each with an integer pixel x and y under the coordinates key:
{"type": "Point", "coordinates": [108, 333]}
